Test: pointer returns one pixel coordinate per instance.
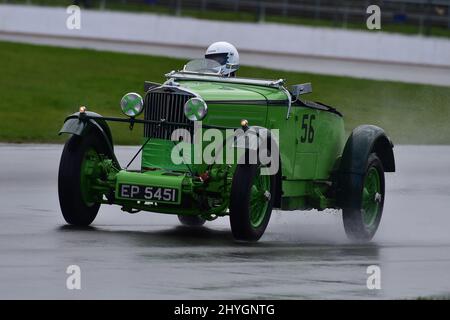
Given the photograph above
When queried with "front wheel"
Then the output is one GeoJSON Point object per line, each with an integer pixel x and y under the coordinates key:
{"type": "Point", "coordinates": [363, 214]}
{"type": "Point", "coordinates": [79, 203]}
{"type": "Point", "coordinates": [251, 202]}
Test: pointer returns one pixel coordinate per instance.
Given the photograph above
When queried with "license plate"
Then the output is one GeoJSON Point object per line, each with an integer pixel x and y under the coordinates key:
{"type": "Point", "coordinates": [148, 193]}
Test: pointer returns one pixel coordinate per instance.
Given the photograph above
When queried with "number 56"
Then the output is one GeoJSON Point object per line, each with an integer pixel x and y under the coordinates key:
{"type": "Point", "coordinates": [308, 129]}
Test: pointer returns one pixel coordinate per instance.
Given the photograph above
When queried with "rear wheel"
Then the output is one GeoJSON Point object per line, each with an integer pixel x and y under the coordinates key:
{"type": "Point", "coordinates": [363, 215]}
{"type": "Point", "coordinates": [191, 221]}
{"type": "Point", "coordinates": [251, 202]}
{"type": "Point", "coordinates": [79, 203]}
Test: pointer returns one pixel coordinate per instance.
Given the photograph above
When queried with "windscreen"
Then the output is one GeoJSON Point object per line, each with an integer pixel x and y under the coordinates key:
{"type": "Point", "coordinates": [203, 66]}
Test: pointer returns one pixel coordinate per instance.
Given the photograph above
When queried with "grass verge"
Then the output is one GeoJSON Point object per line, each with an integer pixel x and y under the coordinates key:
{"type": "Point", "coordinates": [41, 85]}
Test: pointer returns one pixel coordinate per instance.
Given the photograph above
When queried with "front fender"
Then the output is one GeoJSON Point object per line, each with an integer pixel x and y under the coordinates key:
{"type": "Point", "coordinates": [78, 125]}
{"type": "Point", "coordinates": [362, 142]}
{"type": "Point", "coordinates": [272, 139]}
{"type": "Point", "coordinates": [252, 135]}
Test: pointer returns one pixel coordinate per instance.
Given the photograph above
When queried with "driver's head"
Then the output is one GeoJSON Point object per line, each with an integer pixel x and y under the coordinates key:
{"type": "Point", "coordinates": [226, 55]}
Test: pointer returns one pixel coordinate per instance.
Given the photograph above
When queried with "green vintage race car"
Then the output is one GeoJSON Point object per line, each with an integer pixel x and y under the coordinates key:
{"type": "Point", "coordinates": [204, 137]}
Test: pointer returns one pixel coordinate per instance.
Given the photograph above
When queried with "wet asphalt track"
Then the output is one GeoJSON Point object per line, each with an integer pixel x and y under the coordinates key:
{"type": "Point", "coordinates": [302, 254]}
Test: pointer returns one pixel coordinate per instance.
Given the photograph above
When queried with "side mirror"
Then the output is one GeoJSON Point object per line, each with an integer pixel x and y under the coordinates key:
{"type": "Point", "coordinates": [300, 89]}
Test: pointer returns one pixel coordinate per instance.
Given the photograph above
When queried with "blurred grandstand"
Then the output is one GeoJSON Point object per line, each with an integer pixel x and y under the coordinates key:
{"type": "Point", "coordinates": [427, 17]}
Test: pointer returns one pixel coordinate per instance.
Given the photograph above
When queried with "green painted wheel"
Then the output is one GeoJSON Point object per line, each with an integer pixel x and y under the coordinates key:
{"type": "Point", "coordinates": [259, 198]}
{"type": "Point", "coordinates": [363, 213]}
{"type": "Point", "coordinates": [79, 202]}
{"type": "Point", "coordinates": [371, 197]}
{"type": "Point", "coordinates": [88, 165]}
{"type": "Point", "coordinates": [251, 202]}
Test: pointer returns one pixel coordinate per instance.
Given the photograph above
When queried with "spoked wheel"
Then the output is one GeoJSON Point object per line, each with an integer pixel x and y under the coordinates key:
{"type": "Point", "coordinates": [251, 202]}
{"type": "Point", "coordinates": [371, 197]}
{"type": "Point", "coordinates": [77, 170]}
{"type": "Point", "coordinates": [191, 221]}
{"type": "Point", "coordinates": [362, 217]}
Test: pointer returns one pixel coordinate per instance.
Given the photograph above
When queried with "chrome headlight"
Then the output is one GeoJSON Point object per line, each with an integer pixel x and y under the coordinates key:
{"type": "Point", "coordinates": [132, 104]}
{"type": "Point", "coordinates": [195, 109]}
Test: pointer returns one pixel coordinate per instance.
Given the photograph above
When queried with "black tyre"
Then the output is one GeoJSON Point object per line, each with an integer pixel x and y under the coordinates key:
{"type": "Point", "coordinates": [78, 207]}
{"type": "Point", "coordinates": [251, 202]}
{"type": "Point", "coordinates": [364, 209]}
{"type": "Point", "coordinates": [191, 221]}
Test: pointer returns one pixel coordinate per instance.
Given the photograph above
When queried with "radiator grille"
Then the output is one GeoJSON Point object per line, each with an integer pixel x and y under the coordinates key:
{"type": "Point", "coordinates": [168, 106]}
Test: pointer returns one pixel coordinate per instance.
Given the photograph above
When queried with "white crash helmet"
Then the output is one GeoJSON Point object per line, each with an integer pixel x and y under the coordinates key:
{"type": "Point", "coordinates": [226, 55]}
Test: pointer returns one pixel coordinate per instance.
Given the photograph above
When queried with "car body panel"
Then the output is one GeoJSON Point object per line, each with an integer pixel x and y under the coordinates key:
{"type": "Point", "coordinates": [311, 140]}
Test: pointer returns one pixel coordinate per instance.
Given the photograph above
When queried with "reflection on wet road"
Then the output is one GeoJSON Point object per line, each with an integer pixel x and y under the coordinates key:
{"type": "Point", "coordinates": [146, 255]}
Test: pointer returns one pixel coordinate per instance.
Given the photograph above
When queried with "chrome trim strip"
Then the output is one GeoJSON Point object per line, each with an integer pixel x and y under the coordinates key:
{"type": "Point", "coordinates": [258, 82]}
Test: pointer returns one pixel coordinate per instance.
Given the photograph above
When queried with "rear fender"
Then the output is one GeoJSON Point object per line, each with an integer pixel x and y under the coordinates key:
{"type": "Point", "coordinates": [363, 141]}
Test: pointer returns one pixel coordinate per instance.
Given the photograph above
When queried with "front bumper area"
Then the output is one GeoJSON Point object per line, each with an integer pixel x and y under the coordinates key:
{"type": "Point", "coordinates": [159, 179]}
